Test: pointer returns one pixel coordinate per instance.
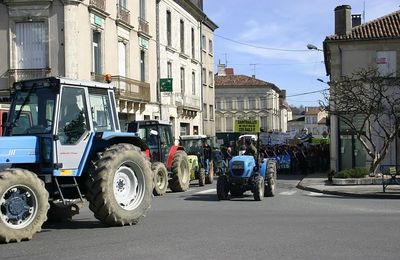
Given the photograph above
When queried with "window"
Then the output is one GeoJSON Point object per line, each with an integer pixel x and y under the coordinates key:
{"type": "Point", "coordinates": [240, 102]}
{"type": "Point", "coordinates": [169, 70]}
{"type": "Point", "coordinates": [142, 66]}
{"type": "Point", "coordinates": [211, 112]}
{"type": "Point", "coordinates": [229, 124]}
{"type": "Point", "coordinates": [193, 47]}
{"type": "Point", "coordinates": [96, 52]}
{"type": "Point", "coordinates": [203, 42]}
{"type": "Point", "coordinates": [142, 9]}
{"type": "Point", "coordinates": [193, 83]}
{"type": "Point", "coordinates": [31, 45]}
{"type": "Point", "coordinates": [217, 103]}
{"type": "Point", "coordinates": [73, 120]}
{"type": "Point", "coordinates": [169, 33]}
{"type": "Point", "coordinates": [122, 3]}
{"type": "Point", "coordinates": [252, 103]}
{"type": "Point", "coordinates": [204, 76]}
{"type": "Point", "coordinates": [228, 104]}
{"type": "Point", "coordinates": [205, 111]}
{"type": "Point", "coordinates": [211, 78]}
{"type": "Point", "coordinates": [182, 35]}
{"type": "Point", "coordinates": [182, 80]}
{"type": "Point", "coordinates": [210, 46]}
{"type": "Point", "coordinates": [101, 112]}
{"type": "Point", "coordinates": [122, 58]}
{"type": "Point", "coordinates": [386, 63]}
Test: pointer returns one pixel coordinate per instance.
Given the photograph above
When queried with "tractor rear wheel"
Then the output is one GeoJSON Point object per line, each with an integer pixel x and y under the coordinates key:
{"type": "Point", "coordinates": [258, 188]}
{"type": "Point", "coordinates": [120, 185]}
{"type": "Point", "coordinates": [210, 175]}
{"type": "Point", "coordinates": [160, 178]}
{"type": "Point", "coordinates": [180, 173]}
{"type": "Point", "coordinates": [270, 185]}
{"type": "Point", "coordinates": [222, 187]}
{"type": "Point", "coordinates": [23, 205]}
{"type": "Point", "coordinates": [202, 177]}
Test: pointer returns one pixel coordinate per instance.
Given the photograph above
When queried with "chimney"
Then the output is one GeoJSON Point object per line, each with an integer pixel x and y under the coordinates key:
{"type": "Point", "coordinates": [229, 71]}
{"type": "Point", "coordinates": [356, 19]}
{"type": "Point", "coordinates": [343, 19]}
{"type": "Point", "coordinates": [221, 70]}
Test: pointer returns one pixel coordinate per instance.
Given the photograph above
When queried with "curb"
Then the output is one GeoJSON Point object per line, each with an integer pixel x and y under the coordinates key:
{"type": "Point", "coordinates": [348, 194]}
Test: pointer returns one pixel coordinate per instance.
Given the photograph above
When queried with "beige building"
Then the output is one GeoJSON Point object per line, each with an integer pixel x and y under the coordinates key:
{"type": "Point", "coordinates": [181, 59]}
{"type": "Point", "coordinates": [240, 97]}
{"type": "Point", "coordinates": [375, 44]}
{"type": "Point", "coordinates": [84, 39]}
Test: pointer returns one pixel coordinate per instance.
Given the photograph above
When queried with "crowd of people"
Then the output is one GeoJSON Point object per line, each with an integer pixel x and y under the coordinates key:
{"type": "Point", "coordinates": [301, 158]}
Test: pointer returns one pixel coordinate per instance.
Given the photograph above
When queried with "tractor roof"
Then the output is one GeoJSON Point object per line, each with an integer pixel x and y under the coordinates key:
{"type": "Point", "coordinates": [193, 137]}
{"type": "Point", "coordinates": [51, 81]}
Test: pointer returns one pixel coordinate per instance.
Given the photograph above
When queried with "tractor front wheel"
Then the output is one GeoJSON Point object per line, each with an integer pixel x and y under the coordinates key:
{"type": "Point", "coordinates": [270, 185]}
{"type": "Point", "coordinates": [222, 187]}
{"type": "Point", "coordinates": [180, 173]}
{"type": "Point", "coordinates": [258, 188]}
{"type": "Point", "coordinates": [23, 205]}
{"type": "Point", "coordinates": [120, 185]}
{"type": "Point", "coordinates": [160, 178]}
{"type": "Point", "coordinates": [202, 177]}
{"type": "Point", "coordinates": [210, 175]}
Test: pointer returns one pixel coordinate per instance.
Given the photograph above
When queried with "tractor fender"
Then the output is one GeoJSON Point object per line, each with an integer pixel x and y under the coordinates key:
{"type": "Point", "coordinates": [124, 137]}
{"type": "Point", "coordinates": [172, 151]}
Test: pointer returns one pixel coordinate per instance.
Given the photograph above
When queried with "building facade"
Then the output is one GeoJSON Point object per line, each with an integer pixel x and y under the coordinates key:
{"type": "Point", "coordinates": [354, 46]}
{"type": "Point", "coordinates": [182, 27]}
{"type": "Point", "coordinates": [239, 97]}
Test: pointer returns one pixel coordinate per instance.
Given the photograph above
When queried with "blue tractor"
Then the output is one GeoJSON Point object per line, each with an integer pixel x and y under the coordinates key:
{"type": "Point", "coordinates": [244, 175]}
{"type": "Point", "coordinates": [62, 143]}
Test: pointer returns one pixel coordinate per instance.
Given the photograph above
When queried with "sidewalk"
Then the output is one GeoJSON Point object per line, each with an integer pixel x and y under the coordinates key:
{"type": "Point", "coordinates": [318, 182]}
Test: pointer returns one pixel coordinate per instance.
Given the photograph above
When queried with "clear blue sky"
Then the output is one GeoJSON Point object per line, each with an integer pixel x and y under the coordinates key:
{"type": "Point", "coordinates": [282, 24]}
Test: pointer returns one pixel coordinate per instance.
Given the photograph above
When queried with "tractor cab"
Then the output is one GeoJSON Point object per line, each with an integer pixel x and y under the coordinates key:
{"type": "Point", "coordinates": [51, 122]}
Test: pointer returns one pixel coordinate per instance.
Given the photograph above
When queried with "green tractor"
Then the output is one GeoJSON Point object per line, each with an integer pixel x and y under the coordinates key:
{"type": "Point", "coordinates": [200, 158]}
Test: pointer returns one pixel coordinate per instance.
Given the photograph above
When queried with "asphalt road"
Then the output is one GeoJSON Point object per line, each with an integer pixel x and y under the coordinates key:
{"type": "Point", "coordinates": [294, 224]}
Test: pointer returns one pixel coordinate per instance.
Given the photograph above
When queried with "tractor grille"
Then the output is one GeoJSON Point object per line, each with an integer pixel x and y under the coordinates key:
{"type": "Point", "coordinates": [237, 168]}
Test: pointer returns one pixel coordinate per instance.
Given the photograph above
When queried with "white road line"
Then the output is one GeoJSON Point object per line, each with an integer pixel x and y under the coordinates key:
{"type": "Point", "coordinates": [206, 191]}
{"type": "Point", "coordinates": [288, 193]}
{"type": "Point", "coordinates": [315, 194]}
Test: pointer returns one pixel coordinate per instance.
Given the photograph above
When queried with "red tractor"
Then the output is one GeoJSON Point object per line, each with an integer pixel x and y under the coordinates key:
{"type": "Point", "coordinates": [169, 161]}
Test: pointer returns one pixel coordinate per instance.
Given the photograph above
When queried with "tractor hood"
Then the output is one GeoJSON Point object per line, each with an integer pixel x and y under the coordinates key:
{"type": "Point", "coordinates": [19, 149]}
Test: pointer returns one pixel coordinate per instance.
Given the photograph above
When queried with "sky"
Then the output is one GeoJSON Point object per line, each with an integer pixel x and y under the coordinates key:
{"type": "Point", "coordinates": [268, 39]}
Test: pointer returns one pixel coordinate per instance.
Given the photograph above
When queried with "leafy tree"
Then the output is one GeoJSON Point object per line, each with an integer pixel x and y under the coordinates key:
{"type": "Point", "coordinates": [369, 104]}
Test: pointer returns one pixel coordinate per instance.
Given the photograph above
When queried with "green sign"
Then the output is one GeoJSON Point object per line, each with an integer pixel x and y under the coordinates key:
{"type": "Point", "coordinates": [247, 126]}
{"type": "Point", "coordinates": [166, 85]}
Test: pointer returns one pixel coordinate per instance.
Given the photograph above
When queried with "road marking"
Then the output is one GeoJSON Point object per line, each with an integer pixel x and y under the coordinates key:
{"type": "Point", "coordinates": [288, 193]}
{"type": "Point", "coordinates": [206, 191]}
{"type": "Point", "coordinates": [316, 194]}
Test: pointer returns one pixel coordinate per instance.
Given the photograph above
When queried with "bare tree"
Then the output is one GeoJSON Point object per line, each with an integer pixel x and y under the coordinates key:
{"type": "Point", "coordinates": [369, 104]}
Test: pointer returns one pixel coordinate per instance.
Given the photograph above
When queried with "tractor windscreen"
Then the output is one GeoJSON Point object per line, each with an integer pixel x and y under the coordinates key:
{"type": "Point", "coordinates": [31, 112]}
{"type": "Point", "coordinates": [192, 146]}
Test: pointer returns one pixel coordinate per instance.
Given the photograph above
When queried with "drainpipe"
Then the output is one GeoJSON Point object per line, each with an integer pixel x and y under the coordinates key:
{"type": "Point", "coordinates": [158, 57]}
{"type": "Point", "coordinates": [201, 75]}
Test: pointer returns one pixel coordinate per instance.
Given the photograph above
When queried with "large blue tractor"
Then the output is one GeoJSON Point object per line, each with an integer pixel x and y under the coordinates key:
{"type": "Point", "coordinates": [63, 143]}
{"type": "Point", "coordinates": [245, 175]}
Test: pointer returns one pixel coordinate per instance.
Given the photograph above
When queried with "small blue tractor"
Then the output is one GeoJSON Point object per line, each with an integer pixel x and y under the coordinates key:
{"type": "Point", "coordinates": [245, 174]}
{"type": "Point", "coordinates": [62, 143]}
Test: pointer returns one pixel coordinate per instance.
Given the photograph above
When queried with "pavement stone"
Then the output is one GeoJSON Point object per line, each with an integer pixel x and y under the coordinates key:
{"type": "Point", "coordinates": [318, 182]}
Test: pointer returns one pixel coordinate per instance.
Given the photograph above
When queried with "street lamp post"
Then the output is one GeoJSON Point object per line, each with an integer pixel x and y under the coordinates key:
{"type": "Point", "coordinates": [312, 47]}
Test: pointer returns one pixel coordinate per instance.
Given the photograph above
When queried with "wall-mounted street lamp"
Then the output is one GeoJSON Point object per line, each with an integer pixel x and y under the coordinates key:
{"type": "Point", "coordinates": [313, 47]}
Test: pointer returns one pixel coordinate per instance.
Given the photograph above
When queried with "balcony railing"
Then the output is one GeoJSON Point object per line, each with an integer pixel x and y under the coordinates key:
{"type": "Point", "coordinates": [143, 25]}
{"type": "Point", "coordinates": [187, 102]}
{"type": "Point", "coordinates": [24, 74]}
{"type": "Point", "coordinates": [100, 4]}
{"type": "Point", "coordinates": [130, 89]}
{"type": "Point", "coordinates": [123, 14]}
